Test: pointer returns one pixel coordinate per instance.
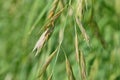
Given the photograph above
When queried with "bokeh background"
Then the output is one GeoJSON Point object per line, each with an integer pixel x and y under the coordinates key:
{"type": "Point", "coordinates": [17, 39]}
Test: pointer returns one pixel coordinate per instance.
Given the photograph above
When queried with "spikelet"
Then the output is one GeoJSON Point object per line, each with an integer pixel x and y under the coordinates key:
{"type": "Point", "coordinates": [49, 59]}
{"type": "Point", "coordinates": [52, 11]}
{"type": "Point", "coordinates": [79, 15]}
{"type": "Point", "coordinates": [79, 9]}
{"type": "Point", "coordinates": [82, 66]}
{"type": "Point", "coordinates": [86, 37]}
{"type": "Point", "coordinates": [76, 45]}
{"type": "Point", "coordinates": [69, 70]}
{"type": "Point", "coordinates": [41, 42]}
{"type": "Point", "coordinates": [80, 58]}
{"type": "Point", "coordinates": [43, 38]}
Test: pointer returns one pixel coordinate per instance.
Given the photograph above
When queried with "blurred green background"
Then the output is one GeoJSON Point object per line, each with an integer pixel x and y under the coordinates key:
{"type": "Point", "coordinates": [17, 17]}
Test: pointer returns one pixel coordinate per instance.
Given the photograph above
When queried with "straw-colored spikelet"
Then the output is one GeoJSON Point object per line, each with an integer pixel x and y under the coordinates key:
{"type": "Point", "coordinates": [83, 31]}
{"type": "Point", "coordinates": [49, 59]}
{"type": "Point", "coordinates": [57, 15]}
{"type": "Point", "coordinates": [41, 42]}
{"type": "Point", "coordinates": [79, 15]}
{"type": "Point", "coordinates": [52, 11]}
{"type": "Point", "coordinates": [81, 4]}
{"type": "Point", "coordinates": [79, 9]}
{"type": "Point", "coordinates": [76, 45]}
{"type": "Point", "coordinates": [69, 70]}
{"type": "Point", "coordinates": [82, 66]}
{"type": "Point", "coordinates": [80, 58]}
{"type": "Point", "coordinates": [53, 18]}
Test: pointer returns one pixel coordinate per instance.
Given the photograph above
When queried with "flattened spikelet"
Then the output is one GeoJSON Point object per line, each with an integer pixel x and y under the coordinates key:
{"type": "Point", "coordinates": [69, 70]}
{"type": "Point", "coordinates": [82, 66]}
{"type": "Point", "coordinates": [40, 42]}
{"type": "Point", "coordinates": [52, 11]}
{"type": "Point", "coordinates": [49, 59]}
{"type": "Point", "coordinates": [79, 15]}
{"type": "Point", "coordinates": [83, 31]}
{"type": "Point", "coordinates": [76, 45]}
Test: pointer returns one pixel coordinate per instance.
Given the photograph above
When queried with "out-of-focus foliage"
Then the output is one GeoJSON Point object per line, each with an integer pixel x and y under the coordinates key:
{"type": "Point", "coordinates": [20, 28]}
